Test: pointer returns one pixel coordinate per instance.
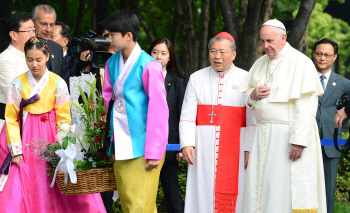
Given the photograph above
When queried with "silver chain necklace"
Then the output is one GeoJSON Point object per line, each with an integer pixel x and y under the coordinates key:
{"type": "Point", "coordinates": [267, 68]}
{"type": "Point", "coordinates": [211, 97]}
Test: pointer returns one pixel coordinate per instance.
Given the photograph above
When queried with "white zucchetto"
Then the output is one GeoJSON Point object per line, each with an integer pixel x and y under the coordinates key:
{"type": "Point", "coordinates": [275, 23]}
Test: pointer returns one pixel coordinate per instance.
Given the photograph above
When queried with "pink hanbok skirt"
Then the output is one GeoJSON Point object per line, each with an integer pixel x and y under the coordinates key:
{"type": "Point", "coordinates": [27, 189]}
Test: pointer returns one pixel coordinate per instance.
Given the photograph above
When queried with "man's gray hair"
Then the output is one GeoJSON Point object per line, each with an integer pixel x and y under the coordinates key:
{"type": "Point", "coordinates": [46, 8]}
{"type": "Point", "coordinates": [232, 45]}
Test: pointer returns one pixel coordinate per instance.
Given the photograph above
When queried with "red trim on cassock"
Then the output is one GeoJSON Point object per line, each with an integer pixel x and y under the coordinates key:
{"type": "Point", "coordinates": [230, 119]}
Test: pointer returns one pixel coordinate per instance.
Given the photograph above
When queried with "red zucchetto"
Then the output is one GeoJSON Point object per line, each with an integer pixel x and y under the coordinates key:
{"type": "Point", "coordinates": [226, 35]}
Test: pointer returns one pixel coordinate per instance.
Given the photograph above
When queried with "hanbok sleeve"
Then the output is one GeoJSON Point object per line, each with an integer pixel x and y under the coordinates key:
{"type": "Point", "coordinates": [13, 134]}
{"type": "Point", "coordinates": [157, 129]}
{"type": "Point", "coordinates": [303, 120]}
{"type": "Point", "coordinates": [62, 105]}
{"type": "Point", "coordinates": [187, 126]}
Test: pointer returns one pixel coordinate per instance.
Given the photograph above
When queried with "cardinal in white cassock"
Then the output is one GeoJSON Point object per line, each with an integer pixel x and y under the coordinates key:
{"type": "Point", "coordinates": [285, 171]}
{"type": "Point", "coordinates": [216, 130]}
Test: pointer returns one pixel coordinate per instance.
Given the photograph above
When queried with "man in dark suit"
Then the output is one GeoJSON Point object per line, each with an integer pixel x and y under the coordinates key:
{"type": "Point", "coordinates": [324, 54]}
{"type": "Point", "coordinates": [62, 35]}
{"type": "Point", "coordinates": [44, 18]}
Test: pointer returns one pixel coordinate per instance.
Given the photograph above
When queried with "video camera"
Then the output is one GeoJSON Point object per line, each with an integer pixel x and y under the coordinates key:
{"type": "Point", "coordinates": [92, 42]}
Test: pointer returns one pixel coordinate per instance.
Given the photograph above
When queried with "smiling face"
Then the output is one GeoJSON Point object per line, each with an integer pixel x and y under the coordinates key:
{"type": "Point", "coordinates": [36, 61]}
{"type": "Point", "coordinates": [220, 55]}
{"type": "Point", "coordinates": [324, 62]}
{"type": "Point", "coordinates": [160, 52]}
{"type": "Point", "coordinates": [44, 24]}
{"type": "Point", "coordinates": [273, 41]}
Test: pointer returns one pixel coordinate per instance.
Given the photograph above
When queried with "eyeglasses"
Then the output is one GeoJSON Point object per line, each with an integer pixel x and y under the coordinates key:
{"type": "Point", "coordinates": [28, 31]}
{"type": "Point", "coordinates": [214, 52]}
{"type": "Point", "coordinates": [319, 54]}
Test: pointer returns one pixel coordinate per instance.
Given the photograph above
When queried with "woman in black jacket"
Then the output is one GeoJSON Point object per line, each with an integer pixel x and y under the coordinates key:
{"type": "Point", "coordinates": [163, 51]}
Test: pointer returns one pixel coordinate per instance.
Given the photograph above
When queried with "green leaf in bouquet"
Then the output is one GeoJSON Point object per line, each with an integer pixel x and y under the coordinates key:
{"type": "Point", "coordinates": [92, 90]}
{"type": "Point", "coordinates": [77, 106]}
{"type": "Point", "coordinates": [83, 96]}
{"type": "Point", "coordinates": [84, 165]}
{"type": "Point", "coordinates": [72, 140]}
{"type": "Point", "coordinates": [103, 164]}
{"type": "Point", "coordinates": [65, 143]}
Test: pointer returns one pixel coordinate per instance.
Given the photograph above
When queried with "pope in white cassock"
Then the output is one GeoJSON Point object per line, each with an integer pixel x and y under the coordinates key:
{"type": "Point", "coordinates": [216, 130]}
{"type": "Point", "coordinates": [285, 171]}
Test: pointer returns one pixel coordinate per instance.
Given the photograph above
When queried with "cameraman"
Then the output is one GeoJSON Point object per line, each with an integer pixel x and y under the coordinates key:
{"type": "Point", "coordinates": [84, 57]}
{"type": "Point", "coordinates": [62, 35]}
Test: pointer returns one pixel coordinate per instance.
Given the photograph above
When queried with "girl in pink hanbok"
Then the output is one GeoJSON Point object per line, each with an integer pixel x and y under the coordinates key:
{"type": "Point", "coordinates": [24, 184]}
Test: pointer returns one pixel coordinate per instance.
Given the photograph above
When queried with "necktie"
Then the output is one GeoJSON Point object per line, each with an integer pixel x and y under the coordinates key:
{"type": "Point", "coordinates": [322, 83]}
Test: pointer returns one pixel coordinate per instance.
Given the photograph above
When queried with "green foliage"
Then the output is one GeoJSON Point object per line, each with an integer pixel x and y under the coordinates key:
{"type": "Point", "coordinates": [323, 25]}
{"type": "Point", "coordinates": [341, 207]}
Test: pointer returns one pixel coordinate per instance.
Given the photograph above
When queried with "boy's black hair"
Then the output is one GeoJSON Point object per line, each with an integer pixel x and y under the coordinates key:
{"type": "Point", "coordinates": [15, 21]}
{"type": "Point", "coordinates": [123, 21]}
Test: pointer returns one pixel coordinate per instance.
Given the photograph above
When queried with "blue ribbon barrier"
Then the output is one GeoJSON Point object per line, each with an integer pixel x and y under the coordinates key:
{"type": "Point", "coordinates": [330, 142]}
{"type": "Point", "coordinates": [173, 147]}
{"type": "Point", "coordinates": [324, 142]}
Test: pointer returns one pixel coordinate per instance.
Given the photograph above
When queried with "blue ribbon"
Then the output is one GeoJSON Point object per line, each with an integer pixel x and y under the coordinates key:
{"type": "Point", "coordinates": [324, 142]}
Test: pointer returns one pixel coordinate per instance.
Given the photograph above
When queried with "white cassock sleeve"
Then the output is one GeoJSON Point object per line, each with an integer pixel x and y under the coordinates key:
{"type": "Point", "coordinates": [303, 120]}
{"type": "Point", "coordinates": [249, 102]}
{"type": "Point", "coordinates": [187, 126]}
{"type": "Point", "coordinates": [8, 72]}
{"type": "Point", "coordinates": [249, 129]}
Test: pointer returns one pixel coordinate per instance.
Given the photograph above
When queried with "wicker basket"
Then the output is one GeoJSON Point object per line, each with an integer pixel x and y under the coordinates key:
{"type": "Point", "coordinates": [88, 182]}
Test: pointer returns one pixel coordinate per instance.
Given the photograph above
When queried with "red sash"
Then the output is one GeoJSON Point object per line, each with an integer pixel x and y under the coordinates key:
{"type": "Point", "coordinates": [230, 119]}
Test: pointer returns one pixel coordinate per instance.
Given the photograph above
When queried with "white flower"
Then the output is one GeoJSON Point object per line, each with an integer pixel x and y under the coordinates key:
{"type": "Point", "coordinates": [59, 137]}
{"type": "Point", "coordinates": [65, 127]}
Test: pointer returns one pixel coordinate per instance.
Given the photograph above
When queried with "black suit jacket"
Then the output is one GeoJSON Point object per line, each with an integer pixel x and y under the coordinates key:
{"type": "Point", "coordinates": [55, 63]}
{"type": "Point", "coordinates": [175, 88]}
{"type": "Point", "coordinates": [327, 110]}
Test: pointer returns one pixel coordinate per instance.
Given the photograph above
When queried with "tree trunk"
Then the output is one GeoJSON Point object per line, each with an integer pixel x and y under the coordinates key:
{"type": "Point", "coordinates": [265, 15]}
{"type": "Point", "coordinates": [190, 63]}
{"type": "Point", "coordinates": [303, 44]}
{"type": "Point", "coordinates": [242, 10]}
{"type": "Point", "coordinates": [247, 43]}
{"type": "Point", "coordinates": [300, 23]}
{"type": "Point", "coordinates": [93, 17]}
{"type": "Point", "coordinates": [80, 18]}
{"type": "Point", "coordinates": [5, 12]}
{"type": "Point", "coordinates": [235, 19]}
{"type": "Point", "coordinates": [102, 10]}
{"type": "Point", "coordinates": [227, 16]}
{"type": "Point", "coordinates": [64, 8]}
{"type": "Point", "coordinates": [125, 5]}
{"type": "Point", "coordinates": [213, 16]}
{"type": "Point", "coordinates": [203, 35]}
{"type": "Point", "coordinates": [136, 9]}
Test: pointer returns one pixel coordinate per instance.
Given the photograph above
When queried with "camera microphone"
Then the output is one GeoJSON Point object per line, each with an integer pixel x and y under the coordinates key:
{"type": "Point", "coordinates": [92, 44]}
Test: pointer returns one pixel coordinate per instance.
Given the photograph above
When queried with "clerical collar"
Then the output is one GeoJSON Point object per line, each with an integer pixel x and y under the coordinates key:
{"type": "Point", "coordinates": [283, 51]}
{"type": "Point", "coordinates": [65, 53]}
{"type": "Point", "coordinates": [222, 73]}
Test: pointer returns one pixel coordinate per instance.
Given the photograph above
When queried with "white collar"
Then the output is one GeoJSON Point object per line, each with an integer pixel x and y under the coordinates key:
{"type": "Point", "coordinates": [134, 55]}
{"type": "Point", "coordinates": [283, 51]}
{"type": "Point", "coordinates": [164, 73]}
{"type": "Point", "coordinates": [328, 74]}
{"type": "Point", "coordinates": [37, 87]}
{"type": "Point", "coordinates": [16, 51]}
{"type": "Point", "coordinates": [65, 53]}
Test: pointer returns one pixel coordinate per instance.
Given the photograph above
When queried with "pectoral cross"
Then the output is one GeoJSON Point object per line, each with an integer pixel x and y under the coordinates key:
{"type": "Point", "coordinates": [212, 114]}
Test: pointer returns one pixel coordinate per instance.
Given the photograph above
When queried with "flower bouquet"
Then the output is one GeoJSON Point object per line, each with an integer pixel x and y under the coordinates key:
{"type": "Point", "coordinates": [82, 158]}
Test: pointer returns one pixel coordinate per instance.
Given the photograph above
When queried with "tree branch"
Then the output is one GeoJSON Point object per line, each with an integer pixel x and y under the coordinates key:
{"type": "Point", "coordinates": [300, 23]}
{"type": "Point", "coordinates": [226, 14]}
{"type": "Point", "coordinates": [243, 10]}
{"type": "Point", "coordinates": [235, 20]}
{"type": "Point", "coordinates": [213, 16]}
